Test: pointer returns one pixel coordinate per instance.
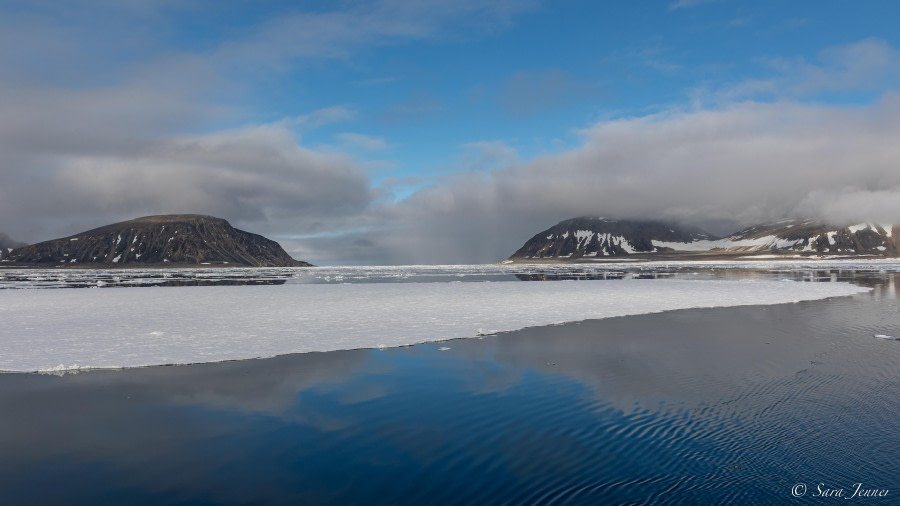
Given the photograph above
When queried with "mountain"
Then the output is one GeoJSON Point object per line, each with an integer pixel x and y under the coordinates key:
{"type": "Point", "coordinates": [811, 237]}
{"type": "Point", "coordinates": [7, 244]}
{"type": "Point", "coordinates": [184, 239]}
{"type": "Point", "coordinates": [602, 237]}
{"type": "Point", "coordinates": [582, 238]}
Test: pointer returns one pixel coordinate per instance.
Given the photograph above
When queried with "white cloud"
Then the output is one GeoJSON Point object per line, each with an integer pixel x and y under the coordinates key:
{"type": "Point", "coordinates": [321, 117]}
{"type": "Point", "coordinates": [853, 205]}
{"type": "Point", "coordinates": [281, 41]}
{"type": "Point", "coordinates": [483, 155]}
{"type": "Point", "coordinates": [361, 141]}
{"type": "Point", "coordinates": [865, 65]}
{"type": "Point", "coordinates": [868, 65]}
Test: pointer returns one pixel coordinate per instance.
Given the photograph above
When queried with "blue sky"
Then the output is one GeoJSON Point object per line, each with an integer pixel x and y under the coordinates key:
{"type": "Point", "coordinates": [379, 132]}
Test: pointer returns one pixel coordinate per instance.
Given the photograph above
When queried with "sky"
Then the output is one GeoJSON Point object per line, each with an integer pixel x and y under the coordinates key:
{"type": "Point", "coordinates": [425, 131]}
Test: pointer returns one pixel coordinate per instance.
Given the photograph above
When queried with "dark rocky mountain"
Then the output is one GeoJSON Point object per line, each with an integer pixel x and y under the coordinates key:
{"type": "Point", "coordinates": [816, 238]}
{"type": "Point", "coordinates": [7, 244]}
{"type": "Point", "coordinates": [602, 237]}
{"type": "Point", "coordinates": [586, 238]}
{"type": "Point", "coordinates": [158, 240]}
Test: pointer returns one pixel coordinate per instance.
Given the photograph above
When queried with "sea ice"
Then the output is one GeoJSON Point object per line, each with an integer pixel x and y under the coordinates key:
{"type": "Point", "coordinates": [129, 327]}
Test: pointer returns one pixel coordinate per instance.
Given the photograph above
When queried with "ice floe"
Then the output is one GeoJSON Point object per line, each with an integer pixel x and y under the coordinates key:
{"type": "Point", "coordinates": [130, 327]}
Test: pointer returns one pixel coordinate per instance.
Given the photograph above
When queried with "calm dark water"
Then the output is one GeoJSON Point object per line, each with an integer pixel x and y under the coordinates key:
{"type": "Point", "coordinates": [712, 406]}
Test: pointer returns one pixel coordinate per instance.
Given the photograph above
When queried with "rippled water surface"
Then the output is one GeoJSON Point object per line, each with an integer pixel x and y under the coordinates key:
{"type": "Point", "coordinates": [703, 406]}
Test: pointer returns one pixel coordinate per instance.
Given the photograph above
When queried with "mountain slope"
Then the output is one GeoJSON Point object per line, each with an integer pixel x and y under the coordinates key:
{"type": "Point", "coordinates": [592, 237]}
{"type": "Point", "coordinates": [599, 237]}
{"type": "Point", "coordinates": [807, 236]}
{"type": "Point", "coordinates": [168, 239]}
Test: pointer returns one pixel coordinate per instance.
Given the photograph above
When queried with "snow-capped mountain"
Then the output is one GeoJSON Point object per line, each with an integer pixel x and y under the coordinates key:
{"type": "Point", "coordinates": [811, 237]}
{"type": "Point", "coordinates": [596, 237]}
{"type": "Point", "coordinates": [603, 237]}
{"type": "Point", "coordinates": [168, 239]}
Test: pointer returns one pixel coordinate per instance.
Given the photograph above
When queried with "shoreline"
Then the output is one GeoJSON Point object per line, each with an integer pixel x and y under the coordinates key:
{"type": "Point", "coordinates": [687, 258]}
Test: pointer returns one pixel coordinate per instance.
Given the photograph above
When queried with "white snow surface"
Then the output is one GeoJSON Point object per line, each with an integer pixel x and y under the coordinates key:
{"type": "Point", "coordinates": [69, 329]}
{"type": "Point", "coordinates": [584, 238]}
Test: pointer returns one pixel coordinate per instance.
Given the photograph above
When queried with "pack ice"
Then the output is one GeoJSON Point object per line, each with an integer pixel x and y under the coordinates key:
{"type": "Point", "coordinates": [46, 330]}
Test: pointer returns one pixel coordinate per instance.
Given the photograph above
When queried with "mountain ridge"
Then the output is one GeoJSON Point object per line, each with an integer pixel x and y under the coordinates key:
{"type": "Point", "coordinates": [587, 238]}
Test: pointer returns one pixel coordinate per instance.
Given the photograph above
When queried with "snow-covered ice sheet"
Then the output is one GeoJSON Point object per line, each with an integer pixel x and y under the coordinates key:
{"type": "Point", "coordinates": [45, 330]}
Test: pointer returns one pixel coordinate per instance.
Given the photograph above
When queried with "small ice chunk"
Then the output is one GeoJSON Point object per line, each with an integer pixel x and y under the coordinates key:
{"type": "Point", "coordinates": [443, 348]}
